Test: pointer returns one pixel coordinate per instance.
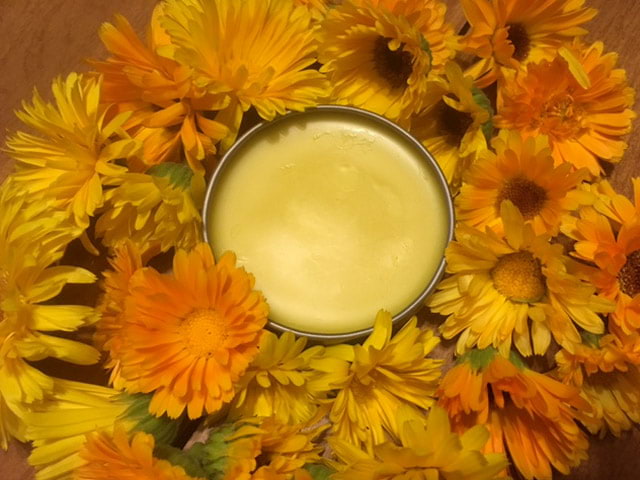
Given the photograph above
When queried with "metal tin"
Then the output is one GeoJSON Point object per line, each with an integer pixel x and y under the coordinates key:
{"type": "Point", "coordinates": [411, 309]}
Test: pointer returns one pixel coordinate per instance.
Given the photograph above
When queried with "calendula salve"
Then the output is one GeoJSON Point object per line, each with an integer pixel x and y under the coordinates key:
{"type": "Point", "coordinates": [338, 213]}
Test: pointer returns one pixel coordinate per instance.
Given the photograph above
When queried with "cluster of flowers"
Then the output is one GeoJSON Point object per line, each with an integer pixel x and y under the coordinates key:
{"type": "Point", "coordinates": [544, 270]}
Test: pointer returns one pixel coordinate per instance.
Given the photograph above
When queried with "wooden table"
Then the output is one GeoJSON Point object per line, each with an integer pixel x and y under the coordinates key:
{"type": "Point", "coordinates": [41, 39]}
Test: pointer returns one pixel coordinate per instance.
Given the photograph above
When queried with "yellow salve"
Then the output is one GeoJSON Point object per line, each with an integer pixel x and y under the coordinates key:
{"type": "Point", "coordinates": [336, 215]}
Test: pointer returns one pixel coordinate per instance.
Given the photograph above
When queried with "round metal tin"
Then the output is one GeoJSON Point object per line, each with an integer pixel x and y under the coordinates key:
{"type": "Point", "coordinates": [412, 308]}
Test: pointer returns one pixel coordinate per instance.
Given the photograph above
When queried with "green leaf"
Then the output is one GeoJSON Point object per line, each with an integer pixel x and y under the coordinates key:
{"type": "Point", "coordinates": [213, 453]}
{"type": "Point", "coordinates": [206, 460]}
{"type": "Point", "coordinates": [424, 45]}
{"type": "Point", "coordinates": [590, 339]}
{"type": "Point", "coordinates": [319, 471]}
{"type": "Point", "coordinates": [479, 359]}
{"type": "Point", "coordinates": [164, 429]}
{"type": "Point", "coordinates": [483, 101]}
{"type": "Point", "coordinates": [210, 459]}
{"type": "Point", "coordinates": [180, 458]}
{"type": "Point", "coordinates": [517, 360]}
{"type": "Point", "coordinates": [179, 175]}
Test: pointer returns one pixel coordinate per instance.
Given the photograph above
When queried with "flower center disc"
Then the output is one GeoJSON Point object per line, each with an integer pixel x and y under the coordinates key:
{"type": "Point", "coordinates": [629, 276]}
{"type": "Point", "coordinates": [518, 276]}
{"type": "Point", "coordinates": [395, 66]}
{"type": "Point", "coordinates": [453, 123]}
{"type": "Point", "coordinates": [520, 40]}
{"type": "Point", "coordinates": [526, 195]}
{"type": "Point", "coordinates": [360, 392]}
{"type": "Point", "coordinates": [204, 332]}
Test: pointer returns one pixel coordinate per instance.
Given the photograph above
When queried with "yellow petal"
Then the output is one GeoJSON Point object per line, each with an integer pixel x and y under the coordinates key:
{"type": "Point", "coordinates": [575, 67]}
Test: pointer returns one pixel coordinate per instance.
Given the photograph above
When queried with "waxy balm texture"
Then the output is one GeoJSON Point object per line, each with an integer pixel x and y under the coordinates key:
{"type": "Point", "coordinates": [336, 214]}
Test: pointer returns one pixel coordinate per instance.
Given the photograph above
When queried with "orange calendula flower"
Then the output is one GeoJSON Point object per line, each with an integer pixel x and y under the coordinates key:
{"type": "Point", "coordinates": [601, 368]}
{"type": "Point", "coordinates": [115, 455]}
{"type": "Point", "coordinates": [520, 289]}
{"type": "Point", "coordinates": [617, 272]}
{"type": "Point", "coordinates": [379, 54]}
{"type": "Point", "coordinates": [511, 33]}
{"type": "Point", "coordinates": [189, 335]}
{"type": "Point", "coordinates": [579, 100]}
{"type": "Point", "coordinates": [528, 414]}
{"type": "Point", "coordinates": [126, 261]}
{"type": "Point", "coordinates": [521, 171]}
{"type": "Point", "coordinates": [257, 53]}
{"type": "Point", "coordinates": [170, 113]}
{"type": "Point", "coordinates": [611, 241]}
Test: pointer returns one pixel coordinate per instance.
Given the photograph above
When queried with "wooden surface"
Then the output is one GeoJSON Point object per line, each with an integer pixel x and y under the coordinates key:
{"type": "Point", "coordinates": [40, 39]}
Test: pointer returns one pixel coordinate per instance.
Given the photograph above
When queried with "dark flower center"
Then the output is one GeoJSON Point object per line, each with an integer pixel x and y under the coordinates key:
{"type": "Point", "coordinates": [629, 276]}
{"type": "Point", "coordinates": [520, 40]}
{"type": "Point", "coordinates": [453, 123]}
{"type": "Point", "coordinates": [529, 197]}
{"type": "Point", "coordinates": [395, 66]}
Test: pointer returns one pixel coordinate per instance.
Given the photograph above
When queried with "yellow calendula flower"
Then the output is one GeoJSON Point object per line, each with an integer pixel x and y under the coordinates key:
{"type": "Point", "coordinates": [579, 100]}
{"type": "Point", "coordinates": [157, 210]}
{"type": "Point", "coordinates": [59, 426]}
{"type": "Point", "coordinates": [376, 378]}
{"type": "Point", "coordinates": [189, 335]}
{"type": "Point", "coordinates": [522, 172]}
{"type": "Point", "coordinates": [379, 54]}
{"type": "Point", "coordinates": [520, 289]}
{"type": "Point", "coordinates": [608, 236]}
{"type": "Point", "coordinates": [118, 455]}
{"type": "Point", "coordinates": [528, 414]}
{"type": "Point", "coordinates": [278, 381]}
{"type": "Point", "coordinates": [258, 52]}
{"type": "Point", "coordinates": [601, 368]}
{"type": "Point", "coordinates": [426, 451]}
{"type": "Point", "coordinates": [318, 8]}
{"type": "Point", "coordinates": [455, 127]}
{"type": "Point", "coordinates": [33, 237]}
{"type": "Point", "coordinates": [75, 147]}
{"type": "Point", "coordinates": [509, 34]}
{"type": "Point", "coordinates": [286, 448]}
{"type": "Point", "coordinates": [170, 114]}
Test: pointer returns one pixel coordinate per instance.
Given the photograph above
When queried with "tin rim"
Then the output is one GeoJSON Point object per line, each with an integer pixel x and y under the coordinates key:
{"type": "Point", "coordinates": [401, 317]}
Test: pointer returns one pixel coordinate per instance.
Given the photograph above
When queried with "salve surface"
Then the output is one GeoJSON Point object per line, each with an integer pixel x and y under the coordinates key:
{"type": "Point", "coordinates": [337, 216]}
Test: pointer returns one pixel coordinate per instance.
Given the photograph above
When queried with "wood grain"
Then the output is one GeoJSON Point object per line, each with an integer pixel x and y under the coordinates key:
{"type": "Point", "coordinates": [41, 39]}
{"type": "Point", "coordinates": [617, 25]}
